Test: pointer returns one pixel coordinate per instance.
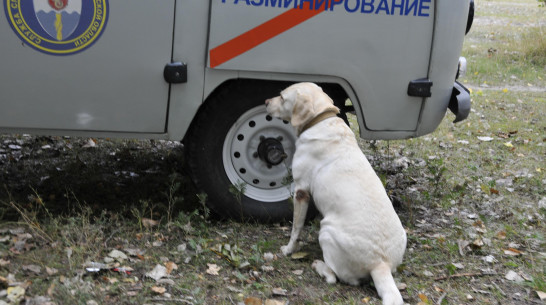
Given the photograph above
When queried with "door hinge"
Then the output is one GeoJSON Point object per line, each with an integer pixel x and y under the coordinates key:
{"type": "Point", "coordinates": [420, 87]}
{"type": "Point", "coordinates": [176, 73]}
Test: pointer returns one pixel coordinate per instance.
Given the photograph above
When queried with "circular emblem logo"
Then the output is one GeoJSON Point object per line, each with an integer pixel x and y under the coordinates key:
{"type": "Point", "coordinates": [58, 27]}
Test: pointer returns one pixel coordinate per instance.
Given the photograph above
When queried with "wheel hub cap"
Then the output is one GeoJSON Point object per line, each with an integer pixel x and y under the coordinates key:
{"type": "Point", "coordinates": [271, 151]}
{"type": "Point", "coordinates": [257, 151]}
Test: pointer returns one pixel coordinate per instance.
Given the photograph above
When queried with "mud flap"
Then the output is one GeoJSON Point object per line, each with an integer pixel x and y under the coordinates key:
{"type": "Point", "coordinates": [460, 102]}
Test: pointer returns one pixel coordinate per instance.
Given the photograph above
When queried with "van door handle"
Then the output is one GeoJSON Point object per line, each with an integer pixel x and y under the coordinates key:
{"type": "Point", "coordinates": [176, 73]}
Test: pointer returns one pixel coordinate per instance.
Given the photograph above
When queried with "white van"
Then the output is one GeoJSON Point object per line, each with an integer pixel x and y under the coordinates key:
{"type": "Point", "coordinates": [200, 70]}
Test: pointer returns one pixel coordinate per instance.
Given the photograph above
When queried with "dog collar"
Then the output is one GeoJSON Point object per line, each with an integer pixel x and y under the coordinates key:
{"type": "Point", "coordinates": [328, 113]}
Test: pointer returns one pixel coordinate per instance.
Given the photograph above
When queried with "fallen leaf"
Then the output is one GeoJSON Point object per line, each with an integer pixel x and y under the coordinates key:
{"type": "Point", "coordinates": [68, 252]}
{"type": "Point", "coordinates": [501, 235]}
{"type": "Point", "coordinates": [298, 272]}
{"type": "Point", "coordinates": [512, 252]}
{"type": "Point", "coordinates": [485, 188]}
{"type": "Point", "coordinates": [299, 255]}
{"type": "Point", "coordinates": [157, 273]}
{"type": "Point", "coordinates": [462, 245]}
{"type": "Point", "coordinates": [117, 255]}
{"type": "Point", "coordinates": [478, 243]}
{"type": "Point", "coordinates": [508, 144]}
{"type": "Point", "coordinates": [266, 268]}
{"type": "Point", "coordinates": [489, 259]}
{"type": "Point", "coordinates": [170, 267]}
{"type": "Point", "coordinates": [51, 289]}
{"type": "Point", "coordinates": [366, 300]}
{"type": "Point", "coordinates": [514, 277]}
{"type": "Point", "coordinates": [485, 139]}
{"type": "Point", "coordinates": [213, 269]}
{"type": "Point", "coordinates": [233, 289]}
{"type": "Point", "coordinates": [149, 223]}
{"type": "Point", "coordinates": [268, 256]}
{"type": "Point", "coordinates": [3, 262]}
{"type": "Point", "coordinates": [15, 294]}
{"type": "Point", "coordinates": [33, 268]}
{"type": "Point", "coordinates": [503, 135]}
{"type": "Point", "coordinates": [159, 290]}
{"type": "Point", "coordinates": [182, 247]}
{"type": "Point", "coordinates": [280, 292]}
{"type": "Point", "coordinates": [134, 251]}
{"type": "Point", "coordinates": [111, 280]}
{"type": "Point", "coordinates": [253, 301]}
{"type": "Point", "coordinates": [51, 271]}
{"type": "Point", "coordinates": [166, 282]}
{"type": "Point", "coordinates": [479, 223]}
{"type": "Point", "coordinates": [458, 265]}
{"type": "Point", "coordinates": [90, 143]}
{"type": "Point", "coordinates": [423, 298]}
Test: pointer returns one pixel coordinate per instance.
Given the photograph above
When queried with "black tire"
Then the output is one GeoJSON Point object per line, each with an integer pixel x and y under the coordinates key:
{"type": "Point", "coordinates": [207, 153]}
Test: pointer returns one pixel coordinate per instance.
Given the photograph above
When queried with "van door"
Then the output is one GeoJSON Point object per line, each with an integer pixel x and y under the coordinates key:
{"type": "Point", "coordinates": [378, 47]}
{"type": "Point", "coordinates": [85, 65]}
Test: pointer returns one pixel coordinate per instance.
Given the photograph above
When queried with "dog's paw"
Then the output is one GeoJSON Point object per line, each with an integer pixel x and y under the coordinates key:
{"type": "Point", "coordinates": [323, 270]}
{"type": "Point", "coordinates": [287, 250]}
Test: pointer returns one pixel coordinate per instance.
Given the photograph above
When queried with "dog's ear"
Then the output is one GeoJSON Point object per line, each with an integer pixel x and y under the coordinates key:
{"type": "Point", "coordinates": [302, 112]}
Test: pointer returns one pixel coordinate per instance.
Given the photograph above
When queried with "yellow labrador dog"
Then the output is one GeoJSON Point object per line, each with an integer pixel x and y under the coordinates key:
{"type": "Point", "coordinates": [360, 233]}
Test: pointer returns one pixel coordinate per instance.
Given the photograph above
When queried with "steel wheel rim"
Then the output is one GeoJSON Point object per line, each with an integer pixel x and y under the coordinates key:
{"type": "Point", "coordinates": [242, 165]}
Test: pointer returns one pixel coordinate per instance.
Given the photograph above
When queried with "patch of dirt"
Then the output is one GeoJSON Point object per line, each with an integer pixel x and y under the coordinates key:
{"type": "Point", "coordinates": [103, 173]}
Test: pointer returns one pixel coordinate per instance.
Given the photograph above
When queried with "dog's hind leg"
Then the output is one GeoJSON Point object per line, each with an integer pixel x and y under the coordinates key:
{"type": "Point", "coordinates": [336, 260]}
{"type": "Point", "coordinates": [301, 204]}
{"type": "Point", "coordinates": [385, 285]}
{"type": "Point", "coordinates": [323, 270]}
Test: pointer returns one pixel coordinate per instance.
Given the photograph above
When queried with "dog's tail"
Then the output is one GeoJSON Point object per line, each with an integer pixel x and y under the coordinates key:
{"type": "Point", "coordinates": [385, 285]}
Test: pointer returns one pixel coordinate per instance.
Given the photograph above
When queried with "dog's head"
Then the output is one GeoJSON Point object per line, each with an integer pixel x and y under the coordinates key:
{"type": "Point", "coordinates": [299, 104]}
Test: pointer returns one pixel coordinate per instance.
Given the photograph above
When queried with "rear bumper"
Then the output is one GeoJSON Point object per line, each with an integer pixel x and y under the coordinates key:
{"type": "Point", "coordinates": [459, 103]}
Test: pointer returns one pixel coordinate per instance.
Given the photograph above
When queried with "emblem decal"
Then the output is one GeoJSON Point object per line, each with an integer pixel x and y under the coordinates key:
{"type": "Point", "coordinates": [57, 27]}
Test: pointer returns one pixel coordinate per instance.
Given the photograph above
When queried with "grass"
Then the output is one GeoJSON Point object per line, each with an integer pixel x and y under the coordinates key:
{"type": "Point", "coordinates": [506, 45]}
{"type": "Point", "coordinates": [470, 194]}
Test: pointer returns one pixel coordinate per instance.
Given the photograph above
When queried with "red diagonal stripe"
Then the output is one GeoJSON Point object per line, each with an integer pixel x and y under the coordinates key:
{"type": "Point", "coordinates": [260, 34]}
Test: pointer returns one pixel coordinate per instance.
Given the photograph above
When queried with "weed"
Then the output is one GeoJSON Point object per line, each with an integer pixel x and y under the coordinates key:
{"type": "Point", "coordinates": [140, 214]}
{"type": "Point", "coordinates": [202, 197]}
{"type": "Point", "coordinates": [184, 222]}
{"type": "Point", "coordinates": [29, 218]}
{"type": "Point", "coordinates": [538, 282]}
{"type": "Point", "coordinates": [172, 198]}
{"type": "Point", "coordinates": [437, 170]}
{"type": "Point", "coordinates": [238, 190]}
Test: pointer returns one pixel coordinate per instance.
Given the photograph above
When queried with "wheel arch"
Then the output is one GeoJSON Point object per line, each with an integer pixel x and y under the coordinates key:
{"type": "Point", "coordinates": [335, 90]}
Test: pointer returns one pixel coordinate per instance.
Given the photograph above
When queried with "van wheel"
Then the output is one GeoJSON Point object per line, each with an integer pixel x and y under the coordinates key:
{"type": "Point", "coordinates": [240, 156]}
